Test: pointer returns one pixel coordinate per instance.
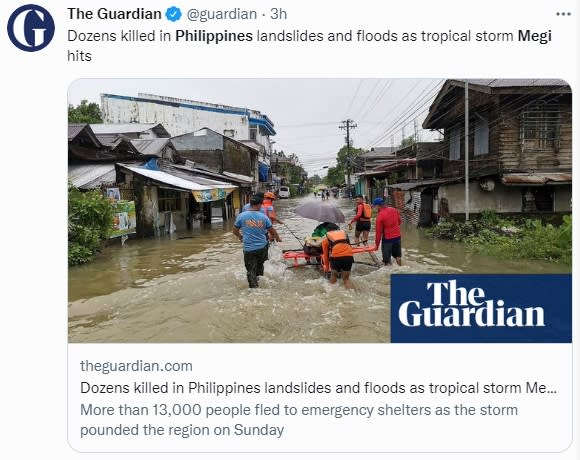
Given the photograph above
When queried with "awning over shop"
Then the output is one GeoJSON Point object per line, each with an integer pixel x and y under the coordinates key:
{"type": "Point", "coordinates": [423, 183]}
{"type": "Point", "coordinates": [202, 188]}
{"type": "Point", "coordinates": [537, 179]}
{"type": "Point", "coordinates": [239, 177]}
{"type": "Point", "coordinates": [390, 166]}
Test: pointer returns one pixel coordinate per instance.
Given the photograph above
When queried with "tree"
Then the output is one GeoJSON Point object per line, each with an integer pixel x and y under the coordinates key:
{"type": "Point", "coordinates": [409, 140]}
{"type": "Point", "coordinates": [345, 159]}
{"type": "Point", "coordinates": [335, 176]}
{"type": "Point", "coordinates": [85, 112]}
{"type": "Point", "coordinates": [315, 180]}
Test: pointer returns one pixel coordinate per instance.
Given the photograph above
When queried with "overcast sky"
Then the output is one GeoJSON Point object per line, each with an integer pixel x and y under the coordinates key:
{"type": "Point", "coordinates": [306, 113]}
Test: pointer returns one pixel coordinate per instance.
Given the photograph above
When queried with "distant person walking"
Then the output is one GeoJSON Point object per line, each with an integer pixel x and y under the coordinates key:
{"type": "Point", "coordinates": [338, 256]}
{"type": "Point", "coordinates": [388, 232]}
{"type": "Point", "coordinates": [251, 227]}
{"type": "Point", "coordinates": [362, 219]}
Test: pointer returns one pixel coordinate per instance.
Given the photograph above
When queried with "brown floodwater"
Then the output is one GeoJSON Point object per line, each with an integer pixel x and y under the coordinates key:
{"type": "Point", "coordinates": [192, 288]}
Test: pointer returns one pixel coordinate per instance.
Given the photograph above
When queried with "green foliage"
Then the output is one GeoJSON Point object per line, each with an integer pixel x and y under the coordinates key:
{"type": "Point", "coordinates": [345, 159]}
{"type": "Point", "coordinates": [85, 112]}
{"type": "Point", "coordinates": [499, 237]}
{"type": "Point", "coordinates": [335, 176]}
{"type": "Point", "coordinates": [409, 140]}
{"type": "Point", "coordinates": [315, 180]}
{"type": "Point", "coordinates": [395, 177]}
{"type": "Point", "coordinates": [489, 217]}
{"type": "Point", "coordinates": [90, 220]}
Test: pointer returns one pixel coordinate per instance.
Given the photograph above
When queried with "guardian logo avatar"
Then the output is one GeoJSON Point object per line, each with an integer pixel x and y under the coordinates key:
{"type": "Point", "coordinates": [30, 28]}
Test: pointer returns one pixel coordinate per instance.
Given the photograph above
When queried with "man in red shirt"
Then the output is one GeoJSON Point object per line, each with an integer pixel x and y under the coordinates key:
{"type": "Point", "coordinates": [388, 232]}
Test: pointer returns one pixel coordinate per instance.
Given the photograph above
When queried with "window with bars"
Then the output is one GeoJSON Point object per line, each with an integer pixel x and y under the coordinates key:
{"type": "Point", "coordinates": [540, 128]}
{"type": "Point", "coordinates": [168, 200]}
{"type": "Point", "coordinates": [253, 133]}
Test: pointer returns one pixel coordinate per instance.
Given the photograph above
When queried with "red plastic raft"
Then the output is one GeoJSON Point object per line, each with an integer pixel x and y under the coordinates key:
{"type": "Point", "coordinates": [296, 255]}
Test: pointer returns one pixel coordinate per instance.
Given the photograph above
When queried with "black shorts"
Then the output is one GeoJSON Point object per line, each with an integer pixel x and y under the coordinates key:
{"type": "Point", "coordinates": [364, 226]}
{"type": "Point", "coordinates": [341, 264]}
{"type": "Point", "coordinates": [389, 250]}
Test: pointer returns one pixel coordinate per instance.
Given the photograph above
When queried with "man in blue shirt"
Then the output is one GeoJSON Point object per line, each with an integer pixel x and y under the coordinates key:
{"type": "Point", "coordinates": [251, 227]}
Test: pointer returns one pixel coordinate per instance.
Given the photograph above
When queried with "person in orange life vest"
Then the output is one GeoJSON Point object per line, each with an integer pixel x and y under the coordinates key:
{"type": "Point", "coordinates": [337, 256]}
{"type": "Point", "coordinates": [362, 219]}
{"type": "Point", "coordinates": [388, 232]}
{"type": "Point", "coordinates": [268, 208]}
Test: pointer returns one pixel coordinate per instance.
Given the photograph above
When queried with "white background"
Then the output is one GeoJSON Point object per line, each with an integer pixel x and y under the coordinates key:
{"type": "Point", "coordinates": [543, 423]}
{"type": "Point", "coordinates": [34, 87]}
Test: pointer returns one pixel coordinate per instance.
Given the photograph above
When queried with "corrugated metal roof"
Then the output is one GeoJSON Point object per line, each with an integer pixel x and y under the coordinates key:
{"type": "Point", "coordinates": [150, 146]}
{"type": "Point", "coordinates": [239, 177]}
{"type": "Point", "coordinates": [423, 183]}
{"type": "Point", "coordinates": [74, 129]}
{"type": "Point", "coordinates": [389, 166]}
{"type": "Point", "coordinates": [91, 176]}
{"type": "Point", "coordinates": [379, 152]}
{"type": "Point", "coordinates": [514, 82]}
{"type": "Point", "coordinates": [536, 179]}
{"type": "Point", "coordinates": [108, 139]}
{"type": "Point", "coordinates": [122, 128]}
{"type": "Point", "coordinates": [196, 183]}
{"type": "Point", "coordinates": [434, 119]}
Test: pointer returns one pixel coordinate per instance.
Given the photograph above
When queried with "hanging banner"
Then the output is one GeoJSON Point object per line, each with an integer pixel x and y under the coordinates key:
{"type": "Point", "coordinates": [205, 196]}
{"type": "Point", "coordinates": [124, 218]}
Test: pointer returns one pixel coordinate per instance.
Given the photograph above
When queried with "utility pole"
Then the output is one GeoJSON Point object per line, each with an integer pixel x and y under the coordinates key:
{"type": "Point", "coordinates": [348, 125]}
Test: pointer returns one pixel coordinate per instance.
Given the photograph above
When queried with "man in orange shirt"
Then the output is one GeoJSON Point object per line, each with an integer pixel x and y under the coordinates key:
{"type": "Point", "coordinates": [338, 256]}
{"type": "Point", "coordinates": [268, 208]}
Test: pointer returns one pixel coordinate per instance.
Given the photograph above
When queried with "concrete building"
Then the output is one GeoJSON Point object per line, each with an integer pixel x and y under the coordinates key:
{"type": "Point", "coordinates": [181, 116]}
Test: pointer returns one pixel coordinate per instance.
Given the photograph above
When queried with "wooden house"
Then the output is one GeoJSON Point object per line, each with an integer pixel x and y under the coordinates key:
{"type": "Point", "coordinates": [519, 144]}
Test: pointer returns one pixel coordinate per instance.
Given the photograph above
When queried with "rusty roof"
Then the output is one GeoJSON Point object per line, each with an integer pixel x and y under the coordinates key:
{"type": "Point", "coordinates": [513, 82]}
{"type": "Point", "coordinates": [490, 86]}
{"type": "Point", "coordinates": [151, 146]}
{"type": "Point", "coordinates": [423, 183]}
{"type": "Point", "coordinates": [537, 179]}
{"type": "Point", "coordinates": [74, 129]}
{"type": "Point", "coordinates": [389, 165]}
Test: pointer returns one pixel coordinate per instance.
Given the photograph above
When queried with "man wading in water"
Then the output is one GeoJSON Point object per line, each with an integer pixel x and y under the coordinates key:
{"type": "Point", "coordinates": [251, 227]}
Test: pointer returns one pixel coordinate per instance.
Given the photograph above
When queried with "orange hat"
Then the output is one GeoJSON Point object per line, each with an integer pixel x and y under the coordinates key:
{"type": "Point", "coordinates": [270, 195]}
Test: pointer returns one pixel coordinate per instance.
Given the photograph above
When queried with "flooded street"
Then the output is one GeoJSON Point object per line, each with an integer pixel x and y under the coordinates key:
{"type": "Point", "coordinates": [193, 288]}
